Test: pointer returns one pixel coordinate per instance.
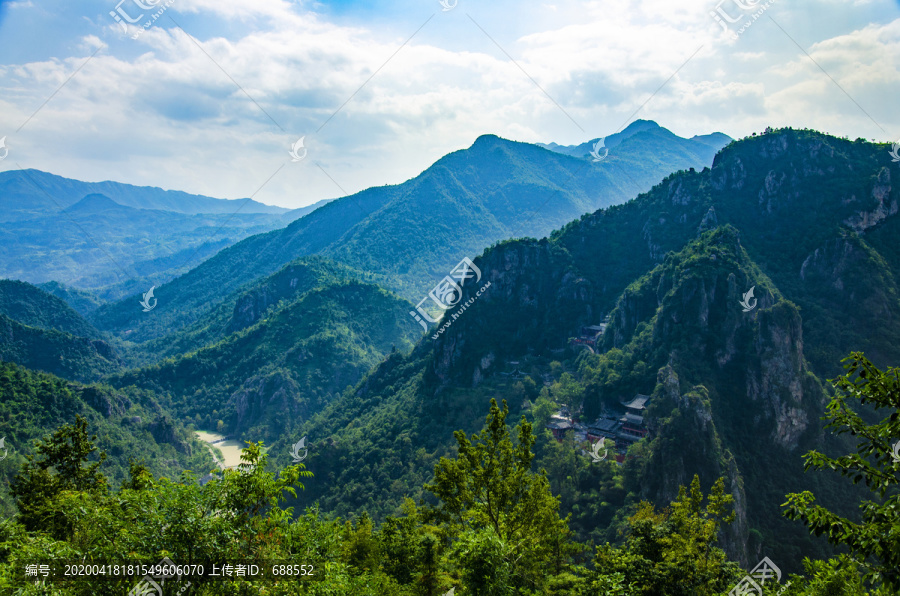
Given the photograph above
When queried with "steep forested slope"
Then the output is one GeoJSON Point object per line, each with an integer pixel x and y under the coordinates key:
{"type": "Point", "coordinates": [243, 307]}
{"type": "Point", "coordinates": [41, 332]}
{"type": "Point", "coordinates": [280, 366]}
{"type": "Point", "coordinates": [63, 354]}
{"type": "Point", "coordinates": [34, 307]}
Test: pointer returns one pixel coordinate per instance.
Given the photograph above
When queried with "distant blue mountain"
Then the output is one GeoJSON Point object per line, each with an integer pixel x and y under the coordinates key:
{"type": "Point", "coordinates": [97, 242]}
{"type": "Point", "coordinates": [704, 146]}
{"type": "Point", "coordinates": [29, 193]}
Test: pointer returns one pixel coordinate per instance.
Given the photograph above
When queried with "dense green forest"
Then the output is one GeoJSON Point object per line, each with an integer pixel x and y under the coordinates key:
{"type": "Point", "coordinates": [127, 423]}
{"type": "Point", "coordinates": [491, 527]}
{"type": "Point", "coordinates": [407, 489]}
{"type": "Point", "coordinates": [30, 306]}
{"type": "Point", "coordinates": [42, 332]}
{"type": "Point", "coordinates": [300, 352]}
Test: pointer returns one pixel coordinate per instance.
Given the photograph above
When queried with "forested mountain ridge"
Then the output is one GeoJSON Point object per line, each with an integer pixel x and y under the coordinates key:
{"type": "Point", "coordinates": [282, 364]}
{"type": "Point", "coordinates": [761, 212]}
{"type": "Point", "coordinates": [42, 332]}
{"type": "Point", "coordinates": [810, 209]}
{"type": "Point", "coordinates": [128, 423]}
{"type": "Point", "coordinates": [241, 308]}
{"type": "Point", "coordinates": [33, 306]}
{"type": "Point", "coordinates": [57, 352]}
{"type": "Point", "coordinates": [411, 234]}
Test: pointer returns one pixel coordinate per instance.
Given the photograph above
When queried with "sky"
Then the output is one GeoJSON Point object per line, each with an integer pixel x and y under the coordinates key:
{"type": "Point", "coordinates": [212, 95]}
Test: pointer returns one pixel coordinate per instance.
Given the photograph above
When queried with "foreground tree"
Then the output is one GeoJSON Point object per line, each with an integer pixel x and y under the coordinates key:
{"type": "Point", "coordinates": [62, 465]}
{"type": "Point", "coordinates": [874, 543]}
{"type": "Point", "coordinates": [501, 510]}
{"type": "Point", "coordinates": [671, 552]}
{"type": "Point", "coordinates": [68, 513]}
{"type": "Point", "coordinates": [835, 577]}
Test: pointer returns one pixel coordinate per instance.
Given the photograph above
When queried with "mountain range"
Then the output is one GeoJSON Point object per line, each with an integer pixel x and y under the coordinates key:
{"type": "Point", "coordinates": [699, 147]}
{"type": "Point", "coordinates": [729, 290]}
{"type": "Point", "coordinates": [410, 235]}
{"type": "Point", "coordinates": [29, 194]}
{"type": "Point", "coordinates": [804, 218]}
{"type": "Point", "coordinates": [108, 237]}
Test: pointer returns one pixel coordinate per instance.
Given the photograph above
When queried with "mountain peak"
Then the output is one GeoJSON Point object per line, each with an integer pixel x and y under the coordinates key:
{"type": "Point", "coordinates": [638, 126]}
{"type": "Point", "coordinates": [486, 140]}
{"type": "Point", "coordinates": [630, 130]}
{"type": "Point", "coordinates": [93, 203]}
{"type": "Point", "coordinates": [650, 133]}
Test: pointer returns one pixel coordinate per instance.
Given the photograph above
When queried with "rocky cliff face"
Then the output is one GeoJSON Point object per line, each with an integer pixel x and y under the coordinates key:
{"type": "Point", "coordinates": [694, 304]}
{"type": "Point", "coordinates": [251, 306]}
{"type": "Point", "coordinates": [881, 204]}
{"type": "Point", "coordinates": [102, 401]}
{"type": "Point", "coordinates": [534, 298]}
{"type": "Point", "coordinates": [265, 395]}
{"type": "Point", "coordinates": [776, 377]}
{"type": "Point", "coordinates": [164, 431]}
{"type": "Point", "coordinates": [833, 275]}
{"type": "Point", "coordinates": [694, 429]}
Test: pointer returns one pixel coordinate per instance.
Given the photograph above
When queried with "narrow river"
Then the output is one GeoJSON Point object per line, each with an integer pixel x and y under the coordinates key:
{"type": "Point", "coordinates": [231, 449]}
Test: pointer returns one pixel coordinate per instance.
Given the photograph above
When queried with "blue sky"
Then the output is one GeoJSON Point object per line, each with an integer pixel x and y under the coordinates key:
{"type": "Point", "coordinates": [217, 112]}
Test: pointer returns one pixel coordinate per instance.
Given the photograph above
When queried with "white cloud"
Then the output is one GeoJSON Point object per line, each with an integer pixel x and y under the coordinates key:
{"type": "Point", "coordinates": [161, 111]}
